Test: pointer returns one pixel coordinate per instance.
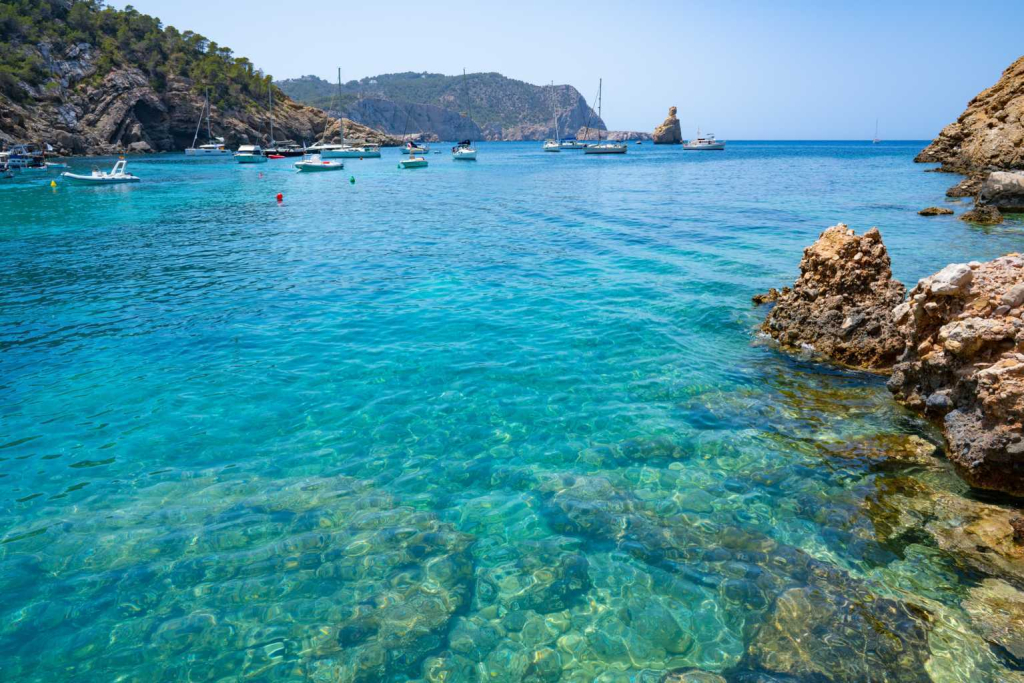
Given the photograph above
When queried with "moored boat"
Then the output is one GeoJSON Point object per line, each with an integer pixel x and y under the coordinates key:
{"type": "Point", "coordinates": [26, 158]}
{"type": "Point", "coordinates": [705, 142]}
{"type": "Point", "coordinates": [464, 151]}
{"type": "Point", "coordinates": [116, 176]}
{"type": "Point", "coordinates": [604, 147]}
{"type": "Point", "coordinates": [415, 148]}
{"type": "Point", "coordinates": [250, 154]}
{"type": "Point", "coordinates": [413, 162]}
{"type": "Point", "coordinates": [314, 163]}
{"type": "Point", "coordinates": [215, 147]}
{"type": "Point", "coordinates": [556, 144]}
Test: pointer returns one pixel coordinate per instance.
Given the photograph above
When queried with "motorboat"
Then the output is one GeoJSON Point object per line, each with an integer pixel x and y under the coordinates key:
{"type": "Point", "coordinates": [413, 162]}
{"type": "Point", "coordinates": [464, 151]}
{"type": "Point", "coordinates": [215, 147]}
{"type": "Point", "coordinates": [250, 154]}
{"type": "Point", "coordinates": [314, 163]}
{"type": "Point", "coordinates": [116, 176]}
{"type": "Point", "coordinates": [26, 158]}
{"type": "Point", "coordinates": [344, 151]}
{"type": "Point", "coordinates": [705, 142]}
{"type": "Point", "coordinates": [279, 150]}
{"type": "Point", "coordinates": [604, 147]}
{"type": "Point", "coordinates": [552, 146]}
{"type": "Point", "coordinates": [573, 144]}
{"type": "Point", "coordinates": [5, 167]}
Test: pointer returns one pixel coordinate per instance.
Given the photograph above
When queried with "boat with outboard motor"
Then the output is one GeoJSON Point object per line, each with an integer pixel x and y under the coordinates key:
{"type": "Point", "coordinates": [415, 148]}
{"type": "Point", "coordinates": [116, 176]}
{"type": "Point", "coordinates": [464, 151]}
{"type": "Point", "coordinates": [314, 163]}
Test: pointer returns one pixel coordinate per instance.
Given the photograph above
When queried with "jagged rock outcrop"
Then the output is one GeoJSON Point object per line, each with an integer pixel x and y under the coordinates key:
{"type": "Point", "coordinates": [841, 304]}
{"type": "Point", "coordinates": [964, 365]}
{"type": "Point", "coordinates": [936, 211]}
{"type": "Point", "coordinates": [124, 112]}
{"type": "Point", "coordinates": [982, 215]}
{"type": "Point", "coordinates": [989, 134]}
{"type": "Point", "coordinates": [669, 132]}
{"type": "Point", "coordinates": [1004, 190]}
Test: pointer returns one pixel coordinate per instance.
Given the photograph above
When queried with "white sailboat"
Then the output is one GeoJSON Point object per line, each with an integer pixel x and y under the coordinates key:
{"type": "Point", "coordinates": [464, 151]}
{"type": "Point", "coordinates": [313, 163]}
{"type": "Point", "coordinates": [215, 147]}
{"type": "Point", "coordinates": [604, 147]}
{"type": "Point", "coordinates": [556, 144]}
{"type": "Point", "coordinates": [875, 140]}
{"type": "Point", "coordinates": [413, 161]}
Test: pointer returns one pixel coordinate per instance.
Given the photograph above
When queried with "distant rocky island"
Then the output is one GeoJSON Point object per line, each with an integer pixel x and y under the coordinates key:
{"type": "Point", "coordinates": [89, 79]}
{"type": "Point", "coordinates": [479, 106]}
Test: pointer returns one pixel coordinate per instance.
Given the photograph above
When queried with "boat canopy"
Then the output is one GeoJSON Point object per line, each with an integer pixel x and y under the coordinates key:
{"type": "Point", "coordinates": [465, 143]}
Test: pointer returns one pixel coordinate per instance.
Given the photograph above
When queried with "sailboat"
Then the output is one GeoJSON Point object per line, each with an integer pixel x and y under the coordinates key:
{"type": "Point", "coordinates": [464, 150]}
{"type": "Point", "coordinates": [875, 140]}
{"type": "Point", "coordinates": [604, 147]}
{"type": "Point", "coordinates": [215, 146]}
{"type": "Point", "coordinates": [413, 161]}
{"type": "Point", "coordinates": [556, 144]}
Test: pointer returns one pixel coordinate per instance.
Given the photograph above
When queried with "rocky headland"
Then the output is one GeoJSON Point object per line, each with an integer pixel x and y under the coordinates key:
{"type": "Point", "coordinates": [954, 347]}
{"type": "Point", "coordinates": [669, 132]}
{"type": "Point", "coordinates": [986, 144]}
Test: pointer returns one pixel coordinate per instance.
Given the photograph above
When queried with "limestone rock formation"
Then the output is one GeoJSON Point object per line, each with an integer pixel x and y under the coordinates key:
{"type": "Point", "coordinates": [841, 304]}
{"type": "Point", "coordinates": [964, 365]}
{"type": "Point", "coordinates": [669, 132]}
{"type": "Point", "coordinates": [982, 214]}
{"type": "Point", "coordinates": [611, 135]}
{"type": "Point", "coordinates": [936, 211]}
{"type": "Point", "coordinates": [1004, 190]}
{"type": "Point", "coordinates": [988, 135]}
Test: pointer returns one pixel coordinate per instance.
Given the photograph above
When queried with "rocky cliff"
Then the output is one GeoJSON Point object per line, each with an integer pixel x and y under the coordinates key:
{"type": "Point", "coordinates": [88, 98]}
{"type": "Point", "coordinates": [485, 106]}
{"type": "Point", "coordinates": [989, 135]}
{"type": "Point", "coordinates": [955, 346]}
{"type": "Point", "coordinates": [669, 132]}
{"type": "Point", "coordinates": [613, 135]}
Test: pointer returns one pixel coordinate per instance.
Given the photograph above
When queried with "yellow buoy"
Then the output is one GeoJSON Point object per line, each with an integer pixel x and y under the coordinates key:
{"type": "Point", "coordinates": [53, 183]}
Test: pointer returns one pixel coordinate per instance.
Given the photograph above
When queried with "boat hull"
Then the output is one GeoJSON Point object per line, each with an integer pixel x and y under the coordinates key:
{"type": "Point", "coordinates": [413, 162]}
{"type": "Point", "coordinates": [416, 150]}
{"type": "Point", "coordinates": [97, 180]}
{"type": "Point", "coordinates": [354, 153]}
{"type": "Point", "coordinates": [318, 166]}
{"type": "Point", "coordinates": [552, 148]}
{"type": "Point", "coordinates": [597, 149]}
{"type": "Point", "coordinates": [464, 155]}
{"type": "Point", "coordinates": [250, 158]}
{"type": "Point", "coordinates": [717, 147]}
{"type": "Point", "coordinates": [196, 152]}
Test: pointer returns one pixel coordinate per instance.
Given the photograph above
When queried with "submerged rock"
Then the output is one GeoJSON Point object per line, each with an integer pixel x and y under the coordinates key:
{"type": "Point", "coordinates": [963, 364]}
{"type": "Point", "coordinates": [997, 610]}
{"type": "Point", "coordinates": [691, 676]}
{"type": "Point", "coordinates": [669, 132]}
{"type": "Point", "coordinates": [983, 215]}
{"type": "Point", "coordinates": [841, 304]}
{"type": "Point", "coordinates": [822, 633]}
{"type": "Point", "coordinates": [935, 211]}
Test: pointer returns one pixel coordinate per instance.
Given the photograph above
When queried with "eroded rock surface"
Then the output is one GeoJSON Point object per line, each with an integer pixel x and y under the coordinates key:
{"type": "Point", "coordinates": [964, 364]}
{"type": "Point", "coordinates": [669, 132]}
{"type": "Point", "coordinates": [1004, 190]}
{"type": "Point", "coordinates": [841, 304]}
{"type": "Point", "coordinates": [935, 211]}
{"type": "Point", "coordinates": [983, 215]}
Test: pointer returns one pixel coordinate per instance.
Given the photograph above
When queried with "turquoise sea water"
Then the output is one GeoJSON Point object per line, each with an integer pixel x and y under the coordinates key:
{"type": "Point", "coordinates": [505, 420]}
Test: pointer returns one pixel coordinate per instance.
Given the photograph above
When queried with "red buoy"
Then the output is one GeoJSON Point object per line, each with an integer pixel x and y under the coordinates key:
{"type": "Point", "coordinates": [280, 197]}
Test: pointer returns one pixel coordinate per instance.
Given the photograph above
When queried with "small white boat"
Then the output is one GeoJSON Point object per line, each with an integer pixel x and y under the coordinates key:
{"type": "Point", "coordinates": [336, 151]}
{"type": "Point", "coordinates": [117, 175]}
{"type": "Point", "coordinates": [552, 146]}
{"type": "Point", "coordinates": [314, 163]}
{"type": "Point", "coordinates": [211, 149]}
{"type": "Point", "coordinates": [704, 142]}
{"type": "Point", "coordinates": [464, 151]}
{"type": "Point", "coordinates": [250, 154]}
{"type": "Point", "coordinates": [5, 167]}
{"type": "Point", "coordinates": [215, 147]}
{"type": "Point", "coordinates": [875, 140]}
{"type": "Point", "coordinates": [556, 144]}
{"type": "Point", "coordinates": [573, 144]}
{"type": "Point", "coordinates": [413, 162]}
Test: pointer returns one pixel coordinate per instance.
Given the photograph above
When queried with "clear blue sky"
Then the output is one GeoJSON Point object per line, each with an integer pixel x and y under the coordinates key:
{"type": "Point", "coordinates": [743, 70]}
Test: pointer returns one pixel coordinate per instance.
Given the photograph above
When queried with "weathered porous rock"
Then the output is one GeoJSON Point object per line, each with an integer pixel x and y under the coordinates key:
{"type": "Point", "coordinates": [771, 296]}
{"type": "Point", "coordinates": [611, 135]}
{"type": "Point", "coordinates": [963, 364]}
{"type": "Point", "coordinates": [842, 302]}
{"type": "Point", "coordinates": [997, 609]}
{"type": "Point", "coordinates": [669, 132]}
{"type": "Point", "coordinates": [1004, 190]}
{"type": "Point", "coordinates": [691, 675]}
{"type": "Point", "coordinates": [983, 215]}
{"type": "Point", "coordinates": [968, 187]}
{"type": "Point", "coordinates": [935, 211]}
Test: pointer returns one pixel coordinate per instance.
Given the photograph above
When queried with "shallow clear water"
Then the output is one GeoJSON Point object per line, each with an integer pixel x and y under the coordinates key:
{"type": "Point", "coordinates": [505, 420]}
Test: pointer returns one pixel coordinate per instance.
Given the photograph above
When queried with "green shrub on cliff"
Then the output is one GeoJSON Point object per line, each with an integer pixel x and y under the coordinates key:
{"type": "Point", "coordinates": [32, 30]}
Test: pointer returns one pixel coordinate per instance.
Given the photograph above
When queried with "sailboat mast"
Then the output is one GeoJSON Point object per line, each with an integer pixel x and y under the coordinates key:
{"type": "Point", "coordinates": [554, 114]}
{"type": "Point", "coordinates": [599, 83]}
{"type": "Point", "coordinates": [209, 115]}
{"type": "Point", "coordinates": [341, 121]}
{"type": "Point", "coordinates": [271, 93]}
{"type": "Point", "coordinates": [465, 93]}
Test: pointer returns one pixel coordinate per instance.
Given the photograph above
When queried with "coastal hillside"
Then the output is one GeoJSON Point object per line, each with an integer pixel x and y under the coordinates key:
{"type": "Point", "coordinates": [481, 106]}
{"type": "Point", "coordinates": [90, 79]}
{"type": "Point", "coordinates": [989, 135]}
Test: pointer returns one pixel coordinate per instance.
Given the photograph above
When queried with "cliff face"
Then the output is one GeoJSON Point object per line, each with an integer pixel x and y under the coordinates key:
{"type": "Point", "coordinates": [989, 135]}
{"type": "Point", "coordinates": [124, 112]}
{"type": "Point", "coordinates": [483, 106]}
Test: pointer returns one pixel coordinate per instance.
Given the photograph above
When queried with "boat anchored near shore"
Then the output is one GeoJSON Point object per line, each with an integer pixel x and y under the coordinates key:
{"type": "Point", "coordinates": [116, 176]}
{"type": "Point", "coordinates": [604, 147]}
{"type": "Point", "coordinates": [705, 142]}
{"type": "Point", "coordinates": [314, 163]}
